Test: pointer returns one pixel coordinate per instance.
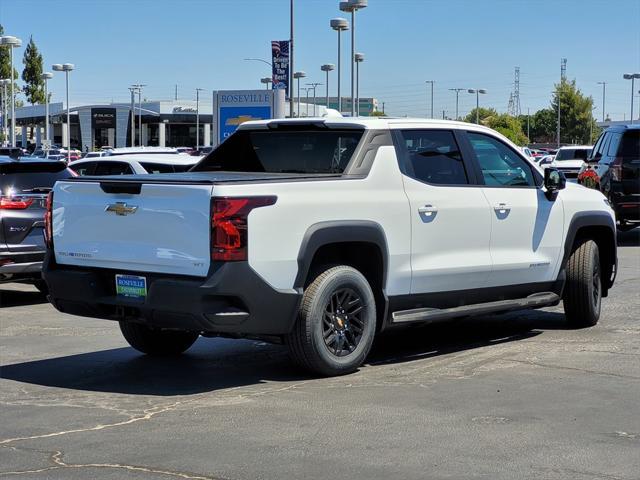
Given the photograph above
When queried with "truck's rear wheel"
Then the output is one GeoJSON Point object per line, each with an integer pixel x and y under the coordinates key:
{"type": "Point", "coordinates": [336, 323]}
{"type": "Point", "coordinates": [157, 342]}
{"type": "Point", "coordinates": [583, 291]}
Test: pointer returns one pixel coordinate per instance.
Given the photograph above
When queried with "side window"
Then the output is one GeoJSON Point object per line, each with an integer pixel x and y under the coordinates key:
{"type": "Point", "coordinates": [113, 168]}
{"type": "Point", "coordinates": [599, 148]}
{"type": "Point", "coordinates": [433, 156]}
{"type": "Point", "coordinates": [500, 165]}
{"type": "Point", "coordinates": [83, 169]}
{"type": "Point", "coordinates": [614, 143]}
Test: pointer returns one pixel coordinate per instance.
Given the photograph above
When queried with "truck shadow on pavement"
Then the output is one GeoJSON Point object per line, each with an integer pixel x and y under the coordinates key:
{"type": "Point", "coordinates": [19, 298]}
{"type": "Point", "coordinates": [216, 364]}
{"type": "Point", "coordinates": [630, 238]}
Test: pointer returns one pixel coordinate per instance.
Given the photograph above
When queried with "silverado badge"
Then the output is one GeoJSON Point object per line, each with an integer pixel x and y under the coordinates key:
{"type": "Point", "coordinates": [121, 209]}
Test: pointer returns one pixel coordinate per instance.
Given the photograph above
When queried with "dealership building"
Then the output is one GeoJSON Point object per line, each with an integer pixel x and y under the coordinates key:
{"type": "Point", "coordinates": [165, 123]}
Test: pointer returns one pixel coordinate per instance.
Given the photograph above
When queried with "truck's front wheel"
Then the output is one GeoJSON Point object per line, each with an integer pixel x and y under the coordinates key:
{"type": "Point", "coordinates": [583, 290]}
{"type": "Point", "coordinates": [336, 323]}
{"type": "Point", "coordinates": [157, 342]}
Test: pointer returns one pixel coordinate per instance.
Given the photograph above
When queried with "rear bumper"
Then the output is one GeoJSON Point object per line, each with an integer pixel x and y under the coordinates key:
{"type": "Point", "coordinates": [233, 299]}
{"type": "Point", "coordinates": [627, 207]}
{"type": "Point", "coordinates": [20, 266]}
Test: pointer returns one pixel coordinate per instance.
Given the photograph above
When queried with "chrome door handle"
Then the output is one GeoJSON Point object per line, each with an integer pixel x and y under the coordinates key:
{"type": "Point", "coordinates": [427, 210]}
{"type": "Point", "coordinates": [502, 208]}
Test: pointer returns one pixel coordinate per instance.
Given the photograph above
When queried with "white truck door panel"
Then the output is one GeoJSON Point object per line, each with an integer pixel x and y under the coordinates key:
{"type": "Point", "coordinates": [526, 235]}
{"type": "Point", "coordinates": [450, 237]}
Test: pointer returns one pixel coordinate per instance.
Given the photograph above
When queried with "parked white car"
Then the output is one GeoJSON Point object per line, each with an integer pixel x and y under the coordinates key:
{"type": "Point", "coordinates": [134, 164]}
{"type": "Point", "coordinates": [569, 160]}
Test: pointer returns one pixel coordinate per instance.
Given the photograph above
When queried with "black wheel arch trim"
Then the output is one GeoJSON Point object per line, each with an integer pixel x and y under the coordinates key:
{"type": "Point", "coordinates": [340, 231]}
{"type": "Point", "coordinates": [592, 219]}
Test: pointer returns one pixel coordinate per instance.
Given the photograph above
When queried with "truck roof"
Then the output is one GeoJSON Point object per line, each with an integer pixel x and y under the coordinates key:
{"type": "Point", "coordinates": [362, 122]}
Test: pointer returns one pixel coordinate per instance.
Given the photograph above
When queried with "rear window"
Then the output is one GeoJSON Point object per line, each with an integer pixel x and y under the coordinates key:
{"type": "Point", "coordinates": [573, 154]}
{"type": "Point", "coordinates": [34, 182]}
{"type": "Point", "coordinates": [300, 151]}
{"type": "Point", "coordinates": [163, 168]}
{"type": "Point", "coordinates": [630, 147]}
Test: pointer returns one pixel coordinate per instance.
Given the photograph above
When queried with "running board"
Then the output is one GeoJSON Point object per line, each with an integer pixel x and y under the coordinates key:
{"type": "Point", "coordinates": [537, 300]}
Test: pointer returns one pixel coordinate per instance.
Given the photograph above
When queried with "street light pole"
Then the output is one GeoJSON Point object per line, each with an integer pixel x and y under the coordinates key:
{"type": "Point", "coordinates": [133, 116]}
{"type": "Point", "coordinates": [632, 77]}
{"type": "Point", "coordinates": [4, 83]}
{"type": "Point", "coordinates": [266, 81]}
{"type": "Point", "coordinates": [313, 86]}
{"type": "Point", "coordinates": [46, 76]}
{"type": "Point", "coordinates": [298, 76]}
{"type": "Point", "coordinates": [139, 87]}
{"type": "Point", "coordinates": [604, 91]}
{"type": "Point", "coordinates": [11, 42]}
{"type": "Point", "coordinates": [359, 60]}
{"type": "Point", "coordinates": [339, 24]}
{"type": "Point", "coordinates": [353, 6]}
{"type": "Point", "coordinates": [198, 90]}
{"type": "Point", "coordinates": [66, 68]}
{"type": "Point", "coordinates": [431, 82]}
{"type": "Point", "coordinates": [291, 67]}
{"type": "Point", "coordinates": [457, 90]}
{"type": "Point", "coordinates": [477, 91]}
{"type": "Point", "coordinates": [327, 67]}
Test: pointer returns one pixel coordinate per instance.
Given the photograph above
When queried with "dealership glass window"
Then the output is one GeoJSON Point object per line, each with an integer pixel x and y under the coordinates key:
{"type": "Point", "coordinates": [500, 165]}
{"type": "Point", "coordinates": [433, 157]}
{"type": "Point", "coordinates": [288, 151]}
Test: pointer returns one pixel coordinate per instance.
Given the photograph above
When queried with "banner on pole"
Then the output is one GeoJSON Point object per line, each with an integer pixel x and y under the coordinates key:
{"type": "Point", "coordinates": [280, 65]}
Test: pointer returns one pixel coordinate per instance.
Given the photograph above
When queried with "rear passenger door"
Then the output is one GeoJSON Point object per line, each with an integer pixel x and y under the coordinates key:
{"type": "Point", "coordinates": [526, 227]}
{"type": "Point", "coordinates": [450, 217]}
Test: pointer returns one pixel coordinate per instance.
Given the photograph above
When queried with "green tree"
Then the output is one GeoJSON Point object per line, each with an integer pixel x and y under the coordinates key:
{"type": "Point", "coordinates": [5, 65]}
{"type": "Point", "coordinates": [378, 113]}
{"type": "Point", "coordinates": [483, 113]}
{"type": "Point", "coordinates": [543, 126]}
{"type": "Point", "coordinates": [32, 74]}
{"type": "Point", "coordinates": [576, 113]}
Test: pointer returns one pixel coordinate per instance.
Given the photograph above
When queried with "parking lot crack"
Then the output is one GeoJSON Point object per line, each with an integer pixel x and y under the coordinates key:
{"type": "Point", "coordinates": [576, 369]}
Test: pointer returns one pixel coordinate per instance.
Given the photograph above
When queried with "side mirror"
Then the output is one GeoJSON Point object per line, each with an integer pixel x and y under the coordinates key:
{"type": "Point", "coordinates": [554, 180]}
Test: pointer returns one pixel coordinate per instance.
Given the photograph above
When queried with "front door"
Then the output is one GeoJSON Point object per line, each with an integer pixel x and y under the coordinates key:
{"type": "Point", "coordinates": [526, 227]}
{"type": "Point", "coordinates": [450, 218]}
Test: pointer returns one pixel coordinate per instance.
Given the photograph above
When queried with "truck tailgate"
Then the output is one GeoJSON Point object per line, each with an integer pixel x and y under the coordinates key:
{"type": "Point", "coordinates": [165, 228]}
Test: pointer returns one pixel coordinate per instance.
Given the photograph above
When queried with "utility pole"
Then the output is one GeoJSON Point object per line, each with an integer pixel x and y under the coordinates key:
{"type": "Point", "coordinates": [604, 91]}
{"type": "Point", "coordinates": [133, 118]}
{"type": "Point", "coordinates": [198, 90]}
{"type": "Point", "coordinates": [457, 90]}
{"type": "Point", "coordinates": [563, 74]}
{"type": "Point", "coordinates": [528, 131]}
{"type": "Point", "coordinates": [382, 108]}
{"type": "Point", "coordinates": [291, 67]}
{"type": "Point", "coordinates": [175, 96]}
{"type": "Point", "coordinates": [431, 82]}
{"type": "Point", "coordinates": [443, 112]}
{"type": "Point", "coordinates": [514, 98]}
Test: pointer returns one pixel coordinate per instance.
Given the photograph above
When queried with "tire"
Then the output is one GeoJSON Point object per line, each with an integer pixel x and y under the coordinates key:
{"type": "Point", "coordinates": [157, 342]}
{"type": "Point", "coordinates": [583, 291]}
{"type": "Point", "coordinates": [336, 323]}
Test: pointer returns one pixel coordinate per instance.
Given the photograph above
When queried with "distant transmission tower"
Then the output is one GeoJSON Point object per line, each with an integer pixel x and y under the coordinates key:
{"type": "Point", "coordinates": [514, 97]}
{"type": "Point", "coordinates": [563, 69]}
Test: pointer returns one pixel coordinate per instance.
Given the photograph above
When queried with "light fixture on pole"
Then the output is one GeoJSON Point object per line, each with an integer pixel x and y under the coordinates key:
{"type": "Point", "coordinates": [327, 67]}
{"type": "Point", "coordinates": [359, 57]}
{"type": "Point", "coordinates": [313, 86]}
{"type": "Point", "coordinates": [266, 81]}
{"type": "Point", "coordinates": [353, 6]}
{"type": "Point", "coordinates": [632, 77]}
{"type": "Point", "coordinates": [4, 82]}
{"type": "Point", "coordinates": [604, 91]}
{"type": "Point", "coordinates": [477, 91]}
{"type": "Point", "coordinates": [11, 42]}
{"type": "Point", "coordinates": [431, 82]}
{"type": "Point", "coordinates": [46, 76]}
{"type": "Point", "coordinates": [339, 25]}
{"type": "Point", "coordinates": [457, 90]}
{"type": "Point", "coordinates": [139, 87]}
{"type": "Point", "coordinates": [66, 68]}
{"type": "Point", "coordinates": [298, 76]}
{"type": "Point", "coordinates": [198, 90]}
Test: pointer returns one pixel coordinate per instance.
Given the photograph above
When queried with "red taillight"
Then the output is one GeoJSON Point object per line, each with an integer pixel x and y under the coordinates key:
{"type": "Point", "coordinates": [15, 203]}
{"type": "Point", "coordinates": [229, 226]}
{"type": "Point", "coordinates": [48, 223]}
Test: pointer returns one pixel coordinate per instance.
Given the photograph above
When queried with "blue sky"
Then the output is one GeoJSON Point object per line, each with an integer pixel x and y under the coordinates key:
{"type": "Point", "coordinates": [468, 44]}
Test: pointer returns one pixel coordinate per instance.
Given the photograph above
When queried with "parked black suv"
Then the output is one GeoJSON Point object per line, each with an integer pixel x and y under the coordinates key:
{"type": "Point", "coordinates": [614, 168]}
{"type": "Point", "coordinates": [24, 186]}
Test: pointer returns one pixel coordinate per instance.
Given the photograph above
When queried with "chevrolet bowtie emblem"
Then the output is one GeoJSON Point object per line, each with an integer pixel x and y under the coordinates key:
{"type": "Point", "coordinates": [121, 208]}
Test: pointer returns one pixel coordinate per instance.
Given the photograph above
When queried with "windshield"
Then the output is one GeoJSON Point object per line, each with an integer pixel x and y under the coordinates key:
{"type": "Point", "coordinates": [573, 154]}
{"type": "Point", "coordinates": [299, 151]}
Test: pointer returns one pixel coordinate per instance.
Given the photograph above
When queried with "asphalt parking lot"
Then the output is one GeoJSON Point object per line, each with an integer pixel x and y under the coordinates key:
{"type": "Point", "coordinates": [511, 396]}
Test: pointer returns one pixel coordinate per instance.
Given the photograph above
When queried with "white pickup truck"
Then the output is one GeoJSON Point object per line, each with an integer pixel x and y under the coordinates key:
{"type": "Point", "coordinates": [321, 233]}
